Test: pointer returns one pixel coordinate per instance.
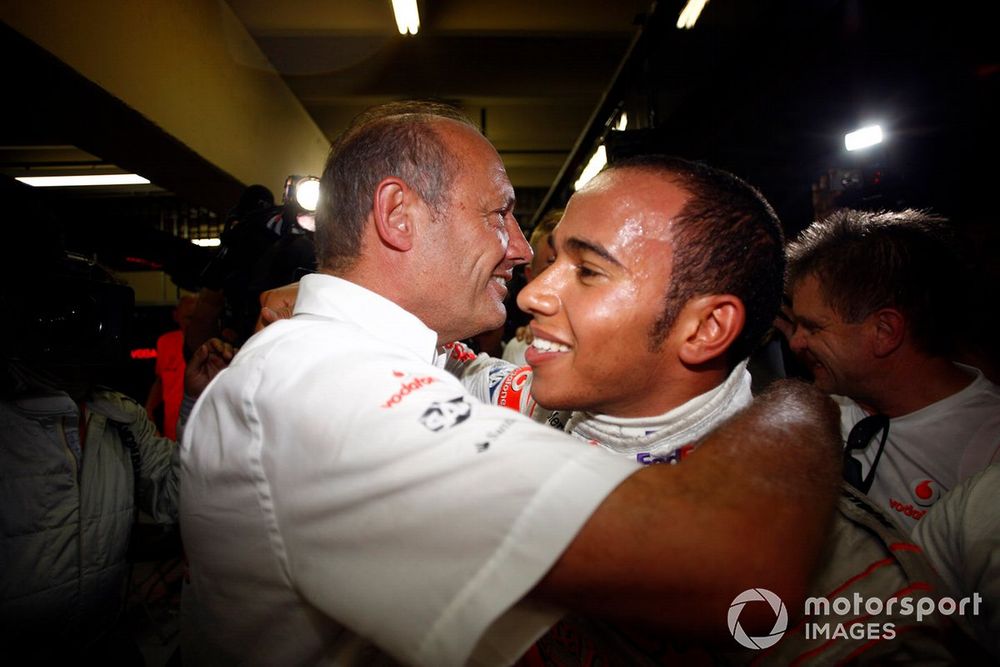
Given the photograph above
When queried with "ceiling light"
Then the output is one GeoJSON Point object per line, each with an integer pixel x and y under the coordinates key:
{"type": "Point", "coordinates": [593, 168]}
{"type": "Point", "coordinates": [863, 138]}
{"type": "Point", "coordinates": [78, 181]}
{"type": "Point", "coordinates": [407, 18]}
{"type": "Point", "coordinates": [207, 243]}
{"type": "Point", "coordinates": [690, 13]}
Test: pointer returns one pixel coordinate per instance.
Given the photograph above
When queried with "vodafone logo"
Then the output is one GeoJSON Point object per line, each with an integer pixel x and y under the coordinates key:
{"type": "Point", "coordinates": [407, 388]}
{"type": "Point", "coordinates": [925, 492]}
{"type": "Point", "coordinates": [780, 618]}
{"type": "Point", "coordinates": [512, 387]}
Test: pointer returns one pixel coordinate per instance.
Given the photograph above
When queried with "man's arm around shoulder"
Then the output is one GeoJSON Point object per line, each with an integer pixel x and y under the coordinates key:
{"type": "Point", "coordinates": [672, 546]}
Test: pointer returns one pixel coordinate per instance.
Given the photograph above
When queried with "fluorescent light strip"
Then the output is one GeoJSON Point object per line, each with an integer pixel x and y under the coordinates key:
{"type": "Point", "coordinates": [863, 138]}
{"type": "Point", "coordinates": [79, 181]}
{"type": "Point", "coordinates": [690, 13]}
{"type": "Point", "coordinates": [207, 243]}
{"type": "Point", "coordinates": [593, 168]}
{"type": "Point", "coordinates": [407, 17]}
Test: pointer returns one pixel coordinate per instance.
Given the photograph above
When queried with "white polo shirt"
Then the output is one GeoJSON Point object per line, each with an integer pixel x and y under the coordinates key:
{"type": "Point", "coordinates": [342, 495]}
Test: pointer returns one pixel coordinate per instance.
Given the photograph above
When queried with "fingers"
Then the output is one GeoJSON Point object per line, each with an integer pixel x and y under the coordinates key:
{"type": "Point", "coordinates": [211, 357]}
{"type": "Point", "coordinates": [220, 349]}
{"type": "Point", "coordinates": [269, 316]}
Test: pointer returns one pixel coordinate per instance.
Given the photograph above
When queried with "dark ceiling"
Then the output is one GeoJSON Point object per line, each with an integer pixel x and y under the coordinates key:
{"type": "Point", "coordinates": [764, 88]}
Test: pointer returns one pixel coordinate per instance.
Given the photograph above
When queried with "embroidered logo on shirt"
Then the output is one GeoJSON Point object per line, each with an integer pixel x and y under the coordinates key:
{"type": "Point", "coordinates": [406, 388]}
{"type": "Point", "coordinates": [925, 492]}
{"type": "Point", "coordinates": [445, 414]}
{"type": "Point", "coordinates": [674, 457]}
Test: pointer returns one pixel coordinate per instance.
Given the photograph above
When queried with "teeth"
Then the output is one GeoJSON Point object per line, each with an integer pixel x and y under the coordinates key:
{"type": "Point", "coordinates": [548, 345]}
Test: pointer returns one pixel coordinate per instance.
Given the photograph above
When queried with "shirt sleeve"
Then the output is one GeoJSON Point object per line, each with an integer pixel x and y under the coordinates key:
{"type": "Point", "coordinates": [493, 380]}
{"type": "Point", "coordinates": [413, 513]}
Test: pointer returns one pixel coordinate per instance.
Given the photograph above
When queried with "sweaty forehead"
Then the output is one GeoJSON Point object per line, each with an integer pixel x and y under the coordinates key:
{"type": "Point", "coordinates": [623, 209]}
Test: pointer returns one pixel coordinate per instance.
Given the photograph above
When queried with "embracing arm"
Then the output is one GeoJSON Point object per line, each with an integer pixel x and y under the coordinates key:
{"type": "Point", "coordinates": [673, 545]}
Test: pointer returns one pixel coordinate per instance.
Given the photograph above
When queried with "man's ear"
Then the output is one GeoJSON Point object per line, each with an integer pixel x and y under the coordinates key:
{"type": "Point", "coordinates": [709, 325]}
{"type": "Point", "coordinates": [393, 213]}
{"type": "Point", "coordinates": [889, 329]}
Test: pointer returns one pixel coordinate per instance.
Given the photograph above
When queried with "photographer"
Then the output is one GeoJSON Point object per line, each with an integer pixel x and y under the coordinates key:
{"type": "Point", "coordinates": [263, 246]}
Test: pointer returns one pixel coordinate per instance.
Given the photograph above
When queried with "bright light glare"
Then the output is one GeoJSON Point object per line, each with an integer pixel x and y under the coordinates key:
{"type": "Point", "coordinates": [593, 168]}
{"type": "Point", "coordinates": [207, 243]}
{"type": "Point", "coordinates": [690, 13]}
{"type": "Point", "coordinates": [863, 138]}
{"type": "Point", "coordinates": [307, 222]}
{"type": "Point", "coordinates": [307, 194]}
{"type": "Point", "coordinates": [77, 181]}
{"type": "Point", "coordinates": [622, 123]}
{"type": "Point", "coordinates": [407, 18]}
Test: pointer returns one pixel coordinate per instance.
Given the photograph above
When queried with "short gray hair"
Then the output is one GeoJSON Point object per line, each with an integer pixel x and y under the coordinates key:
{"type": "Point", "coordinates": [396, 139]}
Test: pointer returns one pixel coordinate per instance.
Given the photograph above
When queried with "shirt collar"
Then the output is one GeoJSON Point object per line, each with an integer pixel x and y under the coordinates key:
{"type": "Point", "coordinates": [325, 296]}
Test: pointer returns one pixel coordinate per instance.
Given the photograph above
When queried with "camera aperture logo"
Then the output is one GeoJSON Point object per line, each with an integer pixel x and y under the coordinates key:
{"type": "Point", "coordinates": [840, 618]}
{"type": "Point", "coordinates": [780, 620]}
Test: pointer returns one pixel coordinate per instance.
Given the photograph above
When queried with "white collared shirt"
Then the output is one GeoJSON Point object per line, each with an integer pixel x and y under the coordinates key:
{"type": "Point", "coordinates": [340, 492]}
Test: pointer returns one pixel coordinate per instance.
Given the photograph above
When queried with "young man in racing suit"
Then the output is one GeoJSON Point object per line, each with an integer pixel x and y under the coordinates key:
{"type": "Point", "coordinates": [667, 275]}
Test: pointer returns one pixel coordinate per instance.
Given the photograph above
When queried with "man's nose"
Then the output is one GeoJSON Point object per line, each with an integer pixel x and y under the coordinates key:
{"type": "Point", "coordinates": [538, 297]}
{"type": "Point", "coordinates": [797, 343]}
{"type": "Point", "coordinates": [518, 249]}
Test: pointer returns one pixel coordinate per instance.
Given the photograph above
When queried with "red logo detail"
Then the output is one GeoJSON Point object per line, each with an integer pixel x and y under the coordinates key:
{"type": "Point", "coordinates": [512, 388]}
{"type": "Point", "coordinates": [925, 492]}
{"type": "Point", "coordinates": [144, 353]}
{"type": "Point", "coordinates": [407, 388]}
{"type": "Point", "coordinates": [460, 352]}
{"type": "Point", "coordinates": [907, 509]}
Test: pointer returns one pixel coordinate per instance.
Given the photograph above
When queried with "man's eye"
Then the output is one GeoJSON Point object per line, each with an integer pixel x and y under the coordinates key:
{"type": "Point", "coordinates": [585, 272]}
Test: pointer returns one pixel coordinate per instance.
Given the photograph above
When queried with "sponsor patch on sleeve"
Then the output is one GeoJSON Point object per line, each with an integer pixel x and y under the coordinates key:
{"type": "Point", "coordinates": [446, 414]}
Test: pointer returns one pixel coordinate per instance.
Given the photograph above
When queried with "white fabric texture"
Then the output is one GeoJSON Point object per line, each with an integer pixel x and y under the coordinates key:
{"type": "Point", "coordinates": [931, 450]}
{"type": "Point", "coordinates": [961, 538]}
{"type": "Point", "coordinates": [344, 496]}
{"type": "Point", "coordinates": [651, 439]}
{"type": "Point", "coordinates": [514, 351]}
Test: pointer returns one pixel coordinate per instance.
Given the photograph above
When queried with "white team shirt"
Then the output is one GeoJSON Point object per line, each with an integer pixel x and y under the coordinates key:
{"type": "Point", "coordinates": [931, 450]}
{"type": "Point", "coordinates": [342, 495]}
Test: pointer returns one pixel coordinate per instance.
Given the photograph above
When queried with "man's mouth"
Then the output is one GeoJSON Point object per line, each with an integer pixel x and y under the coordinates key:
{"type": "Point", "coordinates": [543, 345]}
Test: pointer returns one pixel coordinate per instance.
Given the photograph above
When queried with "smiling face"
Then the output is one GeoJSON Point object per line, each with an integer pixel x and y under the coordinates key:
{"type": "Point", "coordinates": [596, 304]}
{"type": "Point", "coordinates": [475, 241]}
{"type": "Point", "coordinates": [835, 351]}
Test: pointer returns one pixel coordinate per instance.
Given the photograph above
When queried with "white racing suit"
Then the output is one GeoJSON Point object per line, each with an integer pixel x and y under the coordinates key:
{"type": "Point", "coordinates": [865, 555]}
